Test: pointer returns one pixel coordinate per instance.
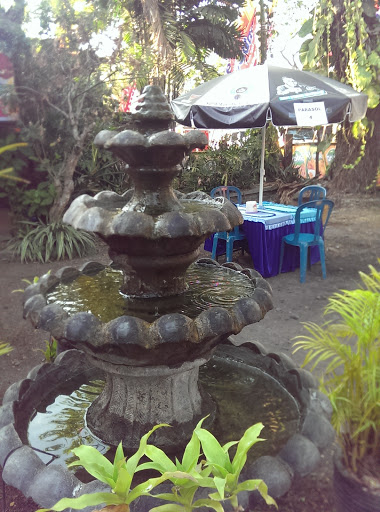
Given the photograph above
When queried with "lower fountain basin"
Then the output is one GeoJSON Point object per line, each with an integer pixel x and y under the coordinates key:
{"type": "Point", "coordinates": [286, 401]}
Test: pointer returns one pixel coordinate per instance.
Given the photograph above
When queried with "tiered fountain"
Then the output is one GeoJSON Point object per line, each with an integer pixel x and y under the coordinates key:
{"type": "Point", "coordinates": [149, 323]}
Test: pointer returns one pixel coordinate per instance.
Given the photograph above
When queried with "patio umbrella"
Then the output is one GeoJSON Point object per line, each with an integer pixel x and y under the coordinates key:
{"type": "Point", "coordinates": [251, 97]}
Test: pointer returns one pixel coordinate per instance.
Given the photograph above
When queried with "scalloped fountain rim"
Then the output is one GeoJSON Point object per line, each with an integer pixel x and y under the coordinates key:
{"type": "Point", "coordinates": [129, 330]}
{"type": "Point", "coordinates": [89, 213]}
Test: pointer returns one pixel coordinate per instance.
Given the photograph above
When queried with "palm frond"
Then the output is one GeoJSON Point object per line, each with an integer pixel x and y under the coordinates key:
{"type": "Point", "coordinates": [349, 350]}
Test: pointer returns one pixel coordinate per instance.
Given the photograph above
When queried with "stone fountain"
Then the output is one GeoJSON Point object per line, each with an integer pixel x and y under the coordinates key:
{"type": "Point", "coordinates": [148, 337]}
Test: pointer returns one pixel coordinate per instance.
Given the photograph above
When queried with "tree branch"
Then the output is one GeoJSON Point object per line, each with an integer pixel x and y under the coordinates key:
{"type": "Point", "coordinates": [44, 98]}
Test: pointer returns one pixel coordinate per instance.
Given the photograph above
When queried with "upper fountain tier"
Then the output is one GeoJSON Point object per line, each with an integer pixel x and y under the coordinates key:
{"type": "Point", "coordinates": [154, 233]}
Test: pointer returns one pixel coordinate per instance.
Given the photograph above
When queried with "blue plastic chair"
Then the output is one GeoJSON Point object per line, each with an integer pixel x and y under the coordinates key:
{"type": "Point", "coordinates": [305, 240]}
{"type": "Point", "coordinates": [230, 237]}
{"type": "Point", "coordinates": [315, 192]}
{"type": "Point", "coordinates": [227, 191]}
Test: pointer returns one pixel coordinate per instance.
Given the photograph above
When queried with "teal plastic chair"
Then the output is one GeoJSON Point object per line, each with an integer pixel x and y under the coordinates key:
{"type": "Point", "coordinates": [233, 194]}
{"type": "Point", "coordinates": [305, 240]}
{"type": "Point", "coordinates": [314, 193]}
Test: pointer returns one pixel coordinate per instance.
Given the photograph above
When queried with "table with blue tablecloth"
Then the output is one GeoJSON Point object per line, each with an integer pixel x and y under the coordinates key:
{"type": "Point", "coordinates": [264, 231]}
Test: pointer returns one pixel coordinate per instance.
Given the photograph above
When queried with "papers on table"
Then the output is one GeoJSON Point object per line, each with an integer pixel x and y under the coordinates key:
{"type": "Point", "coordinates": [275, 215]}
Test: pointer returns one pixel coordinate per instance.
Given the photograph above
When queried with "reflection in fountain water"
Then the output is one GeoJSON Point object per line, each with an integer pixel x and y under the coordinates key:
{"type": "Point", "coordinates": [243, 395]}
{"type": "Point", "coordinates": [205, 289]}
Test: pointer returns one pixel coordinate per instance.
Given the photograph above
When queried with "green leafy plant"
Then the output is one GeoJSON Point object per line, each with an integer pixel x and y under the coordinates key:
{"type": "Point", "coordinates": [350, 346]}
{"type": "Point", "coordinates": [118, 475]}
{"type": "Point", "coordinates": [233, 162]}
{"type": "Point", "coordinates": [28, 282]}
{"type": "Point", "coordinates": [47, 242]}
{"type": "Point", "coordinates": [5, 348]}
{"type": "Point", "coordinates": [7, 173]}
{"type": "Point", "coordinates": [218, 473]}
{"type": "Point", "coordinates": [37, 201]}
{"type": "Point", "coordinates": [50, 352]}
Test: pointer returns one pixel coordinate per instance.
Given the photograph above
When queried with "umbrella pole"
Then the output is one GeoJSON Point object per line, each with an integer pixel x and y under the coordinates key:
{"type": "Point", "coordinates": [262, 169]}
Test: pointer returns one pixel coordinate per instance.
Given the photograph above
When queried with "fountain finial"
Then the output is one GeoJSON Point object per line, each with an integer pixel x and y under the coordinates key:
{"type": "Point", "coordinates": [152, 110]}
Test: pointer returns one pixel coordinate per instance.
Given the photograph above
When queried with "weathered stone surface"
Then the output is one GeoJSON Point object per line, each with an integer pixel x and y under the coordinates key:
{"type": "Point", "coordinates": [287, 361]}
{"type": "Point", "coordinates": [81, 327]}
{"type": "Point", "coordinates": [21, 468]}
{"type": "Point", "coordinates": [67, 274]}
{"type": "Point", "coordinates": [16, 390]}
{"type": "Point", "coordinates": [320, 401]}
{"type": "Point", "coordinates": [33, 372]}
{"type": "Point", "coordinates": [9, 441]}
{"type": "Point", "coordinates": [90, 488]}
{"type": "Point", "coordinates": [33, 308]}
{"type": "Point", "coordinates": [51, 319]}
{"type": "Point", "coordinates": [249, 310]}
{"type": "Point", "coordinates": [51, 484]}
{"type": "Point", "coordinates": [6, 414]}
{"type": "Point", "coordinates": [39, 370]}
{"type": "Point", "coordinates": [135, 398]}
{"type": "Point", "coordinates": [30, 291]}
{"type": "Point", "coordinates": [47, 281]}
{"type": "Point", "coordinates": [318, 429]}
{"type": "Point", "coordinates": [274, 471]}
{"type": "Point", "coordinates": [264, 299]}
{"type": "Point", "coordinates": [308, 380]}
{"type": "Point", "coordinates": [301, 454]}
{"type": "Point", "coordinates": [91, 267]}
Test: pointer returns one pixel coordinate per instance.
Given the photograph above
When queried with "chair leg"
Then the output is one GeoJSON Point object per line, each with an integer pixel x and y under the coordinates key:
{"type": "Point", "coordinates": [281, 256]}
{"type": "Point", "coordinates": [303, 262]}
{"type": "Point", "coordinates": [214, 247]}
{"type": "Point", "coordinates": [321, 246]}
{"type": "Point", "coordinates": [229, 250]}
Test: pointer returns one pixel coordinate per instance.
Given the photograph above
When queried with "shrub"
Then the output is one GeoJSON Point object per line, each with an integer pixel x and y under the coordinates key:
{"type": "Point", "coordinates": [38, 241]}
{"type": "Point", "coordinates": [232, 162]}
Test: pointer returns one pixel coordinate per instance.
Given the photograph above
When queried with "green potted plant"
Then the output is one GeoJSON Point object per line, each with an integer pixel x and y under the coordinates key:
{"type": "Point", "coordinates": [348, 348]}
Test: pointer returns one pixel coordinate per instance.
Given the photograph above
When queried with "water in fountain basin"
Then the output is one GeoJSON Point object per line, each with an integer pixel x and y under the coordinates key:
{"type": "Point", "coordinates": [221, 287]}
{"type": "Point", "coordinates": [244, 395]}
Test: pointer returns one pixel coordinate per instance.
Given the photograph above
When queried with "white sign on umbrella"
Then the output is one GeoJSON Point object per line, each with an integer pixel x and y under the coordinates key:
{"type": "Point", "coordinates": [249, 98]}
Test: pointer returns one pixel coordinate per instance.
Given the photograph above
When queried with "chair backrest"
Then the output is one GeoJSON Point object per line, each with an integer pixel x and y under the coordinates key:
{"type": "Point", "coordinates": [224, 191]}
{"type": "Point", "coordinates": [314, 192]}
{"type": "Point", "coordinates": [323, 209]}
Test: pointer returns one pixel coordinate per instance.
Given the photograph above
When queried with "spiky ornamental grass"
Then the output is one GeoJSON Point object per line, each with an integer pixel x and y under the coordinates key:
{"type": "Point", "coordinates": [38, 241]}
{"type": "Point", "coordinates": [5, 348]}
{"type": "Point", "coordinates": [350, 346]}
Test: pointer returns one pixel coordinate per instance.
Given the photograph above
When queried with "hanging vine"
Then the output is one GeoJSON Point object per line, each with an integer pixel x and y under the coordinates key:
{"type": "Point", "coordinates": [344, 43]}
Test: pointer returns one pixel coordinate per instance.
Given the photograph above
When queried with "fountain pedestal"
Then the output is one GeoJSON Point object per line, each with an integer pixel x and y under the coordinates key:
{"type": "Point", "coordinates": [135, 398]}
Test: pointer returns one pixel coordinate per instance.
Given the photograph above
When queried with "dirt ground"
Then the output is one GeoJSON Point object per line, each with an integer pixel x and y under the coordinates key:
{"type": "Point", "coordinates": [352, 243]}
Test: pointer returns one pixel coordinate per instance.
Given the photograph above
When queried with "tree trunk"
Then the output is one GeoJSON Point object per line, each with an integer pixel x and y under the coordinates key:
{"type": "Point", "coordinates": [362, 176]}
{"type": "Point", "coordinates": [288, 150]}
{"type": "Point", "coordinates": [64, 184]}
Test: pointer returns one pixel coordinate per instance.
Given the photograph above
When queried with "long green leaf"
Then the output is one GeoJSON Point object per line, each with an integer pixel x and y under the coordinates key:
{"type": "Point", "coordinates": [160, 457]}
{"type": "Point", "coordinates": [94, 463]}
{"type": "Point", "coordinates": [250, 437]}
{"type": "Point", "coordinates": [191, 453]}
{"type": "Point", "coordinates": [212, 449]}
{"type": "Point", "coordinates": [167, 508]}
{"type": "Point", "coordinates": [209, 503]}
{"type": "Point", "coordinates": [133, 461]}
{"type": "Point", "coordinates": [86, 500]}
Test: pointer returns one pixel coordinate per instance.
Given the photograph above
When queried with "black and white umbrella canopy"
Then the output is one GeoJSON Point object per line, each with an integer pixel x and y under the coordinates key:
{"type": "Point", "coordinates": [250, 97]}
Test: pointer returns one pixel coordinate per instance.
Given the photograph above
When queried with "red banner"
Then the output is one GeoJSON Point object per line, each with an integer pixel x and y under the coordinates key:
{"type": "Point", "coordinates": [127, 95]}
{"type": "Point", "coordinates": [247, 27]}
